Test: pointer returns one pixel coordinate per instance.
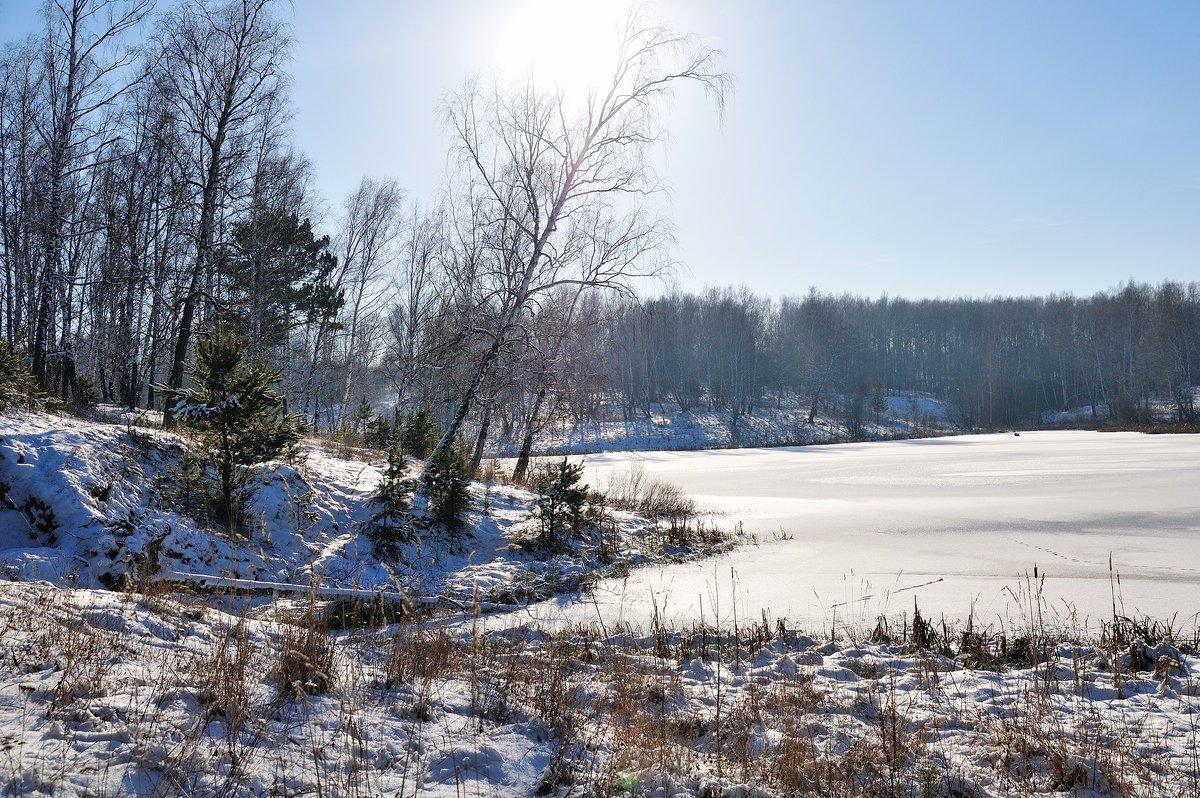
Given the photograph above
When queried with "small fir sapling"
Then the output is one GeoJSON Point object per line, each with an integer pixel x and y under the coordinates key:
{"type": "Point", "coordinates": [446, 483]}
{"type": "Point", "coordinates": [87, 394]}
{"type": "Point", "coordinates": [238, 416]}
{"type": "Point", "coordinates": [17, 385]}
{"type": "Point", "coordinates": [391, 522]}
{"type": "Point", "coordinates": [879, 403]}
{"type": "Point", "coordinates": [362, 416]}
{"type": "Point", "coordinates": [380, 432]}
{"type": "Point", "coordinates": [562, 503]}
{"type": "Point", "coordinates": [421, 433]}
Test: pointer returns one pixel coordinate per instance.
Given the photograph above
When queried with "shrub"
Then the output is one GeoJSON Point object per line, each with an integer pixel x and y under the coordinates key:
{"type": "Point", "coordinates": [306, 656]}
{"type": "Point", "coordinates": [562, 503]}
{"type": "Point", "coordinates": [187, 488]}
{"type": "Point", "coordinates": [240, 418]}
{"type": "Point", "coordinates": [652, 498]}
{"type": "Point", "coordinates": [87, 394]}
{"type": "Point", "coordinates": [380, 433]}
{"type": "Point", "coordinates": [446, 481]}
{"type": "Point", "coordinates": [362, 416]}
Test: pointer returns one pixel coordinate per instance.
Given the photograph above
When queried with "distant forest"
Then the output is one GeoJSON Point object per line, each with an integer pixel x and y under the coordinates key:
{"type": "Point", "coordinates": [1001, 362]}
{"type": "Point", "coordinates": [151, 192]}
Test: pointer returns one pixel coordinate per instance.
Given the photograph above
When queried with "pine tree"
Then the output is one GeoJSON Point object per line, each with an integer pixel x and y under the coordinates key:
{"type": "Point", "coordinates": [17, 385]}
{"type": "Point", "coordinates": [562, 501]}
{"type": "Point", "coordinates": [447, 483]}
{"type": "Point", "coordinates": [362, 415]}
{"type": "Point", "coordinates": [380, 433]}
{"type": "Point", "coordinates": [278, 275]}
{"type": "Point", "coordinates": [878, 400]}
{"type": "Point", "coordinates": [391, 523]}
{"type": "Point", "coordinates": [421, 433]}
{"type": "Point", "coordinates": [239, 417]}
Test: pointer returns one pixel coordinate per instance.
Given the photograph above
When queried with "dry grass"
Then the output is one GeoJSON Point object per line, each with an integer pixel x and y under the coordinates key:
{"type": "Point", "coordinates": [618, 711]}
{"type": "Point", "coordinates": [305, 664]}
{"type": "Point", "coordinates": [650, 498]}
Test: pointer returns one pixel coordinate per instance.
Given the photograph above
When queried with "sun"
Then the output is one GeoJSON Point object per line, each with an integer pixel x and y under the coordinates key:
{"type": "Point", "coordinates": [569, 44]}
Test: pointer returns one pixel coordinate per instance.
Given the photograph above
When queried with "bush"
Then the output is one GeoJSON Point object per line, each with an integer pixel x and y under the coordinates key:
{"type": "Point", "coordinates": [306, 660]}
{"type": "Point", "coordinates": [239, 417]}
{"type": "Point", "coordinates": [446, 481]}
{"type": "Point", "coordinates": [562, 503]}
{"type": "Point", "coordinates": [187, 488]}
{"type": "Point", "coordinates": [652, 498]}
{"type": "Point", "coordinates": [17, 385]}
{"type": "Point", "coordinates": [421, 434]}
{"type": "Point", "coordinates": [391, 523]}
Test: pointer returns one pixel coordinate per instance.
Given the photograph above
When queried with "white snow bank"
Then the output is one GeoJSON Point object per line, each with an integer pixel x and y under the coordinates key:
{"type": "Point", "coordinates": [101, 695]}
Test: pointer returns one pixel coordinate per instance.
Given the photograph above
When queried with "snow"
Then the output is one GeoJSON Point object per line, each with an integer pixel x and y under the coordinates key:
{"type": "Point", "coordinates": [633, 688]}
{"type": "Point", "coordinates": [131, 712]}
{"type": "Point", "coordinates": [107, 694]}
{"type": "Point", "coordinates": [847, 532]}
{"type": "Point", "coordinates": [88, 504]}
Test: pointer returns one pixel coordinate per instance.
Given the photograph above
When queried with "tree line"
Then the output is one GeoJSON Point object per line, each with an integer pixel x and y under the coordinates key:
{"type": "Point", "coordinates": [151, 191]}
{"type": "Point", "coordinates": [1001, 362]}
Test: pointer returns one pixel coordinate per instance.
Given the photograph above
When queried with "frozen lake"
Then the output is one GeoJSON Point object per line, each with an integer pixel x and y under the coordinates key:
{"type": "Point", "coordinates": [849, 531]}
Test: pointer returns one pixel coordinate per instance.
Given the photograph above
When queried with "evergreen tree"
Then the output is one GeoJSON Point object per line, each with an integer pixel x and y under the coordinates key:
{"type": "Point", "coordinates": [421, 433]}
{"type": "Point", "coordinates": [239, 417]}
{"type": "Point", "coordinates": [278, 275]}
{"type": "Point", "coordinates": [380, 433]}
{"type": "Point", "coordinates": [17, 385]}
{"type": "Point", "coordinates": [362, 415]}
{"type": "Point", "coordinates": [878, 400]}
{"type": "Point", "coordinates": [447, 483]}
{"type": "Point", "coordinates": [562, 501]}
{"type": "Point", "coordinates": [391, 523]}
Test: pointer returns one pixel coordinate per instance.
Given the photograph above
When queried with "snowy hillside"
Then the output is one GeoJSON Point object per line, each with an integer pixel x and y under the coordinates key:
{"type": "Point", "coordinates": [99, 505]}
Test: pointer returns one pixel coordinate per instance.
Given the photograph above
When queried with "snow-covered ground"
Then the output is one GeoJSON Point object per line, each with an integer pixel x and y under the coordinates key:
{"type": "Point", "coordinates": [89, 504]}
{"type": "Point", "coordinates": [112, 693]}
{"type": "Point", "coordinates": [959, 524]}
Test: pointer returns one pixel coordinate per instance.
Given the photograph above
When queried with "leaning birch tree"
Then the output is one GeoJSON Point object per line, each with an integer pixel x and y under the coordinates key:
{"type": "Point", "coordinates": [549, 178]}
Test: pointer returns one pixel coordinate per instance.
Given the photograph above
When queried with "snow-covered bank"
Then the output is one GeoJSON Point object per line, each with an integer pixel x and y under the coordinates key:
{"type": "Point", "coordinates": [91, 504]}
{"type": "Point", "coordinates": [774, 422]}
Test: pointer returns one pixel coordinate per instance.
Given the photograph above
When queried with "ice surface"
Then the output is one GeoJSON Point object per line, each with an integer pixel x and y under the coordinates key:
{"type": "Point", "coordinates": [966, 518]}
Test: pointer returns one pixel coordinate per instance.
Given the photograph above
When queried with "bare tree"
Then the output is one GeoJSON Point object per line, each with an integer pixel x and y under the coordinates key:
{"type": "Point", "coordinates": [371, 228]}
{"type": "Point", "coordinates": [555, 334]}
{"type": "Point", "coordinates": [410, 340]}
{"type": "Point", "coordinates": [20, 105]}
{"type": "Point", "coordinates": [219, 68]}
{"type": "Point", "coordinates": [82, 79]}
{"type": "Point", "coordinates": [545, 176]}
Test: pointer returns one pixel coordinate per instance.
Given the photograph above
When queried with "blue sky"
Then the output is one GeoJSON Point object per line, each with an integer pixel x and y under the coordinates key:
{"type": "Point", "coordinates": [913, 149]}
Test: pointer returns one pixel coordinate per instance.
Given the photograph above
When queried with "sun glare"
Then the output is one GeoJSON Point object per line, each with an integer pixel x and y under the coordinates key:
{"type": "Point", "coordinates": [568, 43]}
